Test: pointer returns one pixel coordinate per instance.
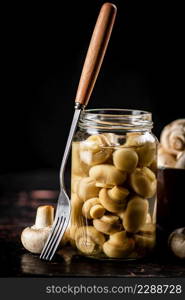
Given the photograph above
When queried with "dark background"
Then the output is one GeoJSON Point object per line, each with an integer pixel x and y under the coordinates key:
{"type": "Point", "coordinates": [43, 49]}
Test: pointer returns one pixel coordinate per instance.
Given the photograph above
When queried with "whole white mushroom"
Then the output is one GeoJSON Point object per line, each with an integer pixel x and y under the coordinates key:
{"type": "Point", "coordinates": [176, 242]}
{"type": "Point", "coordinates": [33, 238]}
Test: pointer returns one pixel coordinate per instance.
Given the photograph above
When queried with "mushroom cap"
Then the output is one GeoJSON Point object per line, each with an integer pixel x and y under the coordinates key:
{"type": "Point", "coordinates": [135, 215]}
{"type": "Point", "coordinates": [97, 211]}
{"type": "Point", "coordinates": [94, 150]}
{"type": "Point", "coordinates": [125, 159]}
{"type": "Point", "coordinates": [119, 245]}
{"type": "Point", "coordinates": [88, 205]}
{"type": "Point", "coordinates": [89, 240]}
{"type": "Point", "coordinates": [144, 145]}
{"type": "Point", "coordinates": [114, 200]}
{"type": "Point", "coordinates": [107, 175]}
{"type": "Point", "coordinates": [107, 224]}
{"type": "Point", "coordinates": [34, 239]}
{"type": "Point", "coordinates": [111, 139]}
{"type": "Point", "coordinates": [144, 182]}
{"type": "Point", "coordinates": [147, 153]}
{"type": "Point", "coordinates": [87, 188]}
{"type": "Point", "coordinates": [176, 242]}
{"type": "Point", "coordinates": [173, 136]}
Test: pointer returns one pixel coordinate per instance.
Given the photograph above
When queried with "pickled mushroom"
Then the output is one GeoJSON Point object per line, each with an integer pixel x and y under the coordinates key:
{"type": "Point", "coordinates": [134, 217]}
{"type": "Point", "coordinates": [87, 188]}
{"type": "Point", "coordinates": [107, 175]}
{"type": "Point", "coordinates": [114, 200]}
{"type": "Point", "coordinates": [94, 150]}
{"type": "Point", "coordinates": [119, 245]}
{"type": "Point", "coordinates": [125, 159]}
{"type": "Point", "coordinates": [143, 182]}
{"type": "Point", "coordinates": [88, 240]}
{"type": "Point", "coordinates": [108, 224]}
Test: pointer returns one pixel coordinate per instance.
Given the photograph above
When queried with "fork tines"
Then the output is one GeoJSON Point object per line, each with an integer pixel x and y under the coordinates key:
{"type": "Point", "coordinates": [54, 238]}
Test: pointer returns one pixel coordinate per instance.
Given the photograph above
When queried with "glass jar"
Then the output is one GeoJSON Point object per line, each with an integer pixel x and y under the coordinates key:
{"type": "Point", "coordinates": [113, 184]}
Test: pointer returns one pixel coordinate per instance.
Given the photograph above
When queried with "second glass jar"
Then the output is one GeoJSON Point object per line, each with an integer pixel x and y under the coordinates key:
{"type": "Point", "coordinates": [113, 184]}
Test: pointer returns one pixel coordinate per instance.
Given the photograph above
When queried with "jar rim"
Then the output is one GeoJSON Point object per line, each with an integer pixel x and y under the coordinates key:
{"type": "Point", "coordinates": [123, 110]}
{"type": "Point", "coordinates": [116, 119]}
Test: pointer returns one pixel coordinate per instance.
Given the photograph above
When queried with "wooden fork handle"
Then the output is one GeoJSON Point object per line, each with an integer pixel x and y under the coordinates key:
{"type": "Point", "coordinates": [96, 52]}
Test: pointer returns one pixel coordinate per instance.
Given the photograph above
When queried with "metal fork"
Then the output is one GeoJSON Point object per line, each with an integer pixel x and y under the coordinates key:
{"type": "Point", "coordinates": [63, 207]}
{"type": "Point", "coordinates": [92, 64]}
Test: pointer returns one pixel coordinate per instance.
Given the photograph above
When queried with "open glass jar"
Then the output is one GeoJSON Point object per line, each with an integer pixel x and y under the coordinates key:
{"type": "Point", "coordinates": [113, 184]}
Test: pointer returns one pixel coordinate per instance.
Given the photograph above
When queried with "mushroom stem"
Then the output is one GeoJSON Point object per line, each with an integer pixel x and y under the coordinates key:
{"type": "Point", "coordinates": [44, 216]}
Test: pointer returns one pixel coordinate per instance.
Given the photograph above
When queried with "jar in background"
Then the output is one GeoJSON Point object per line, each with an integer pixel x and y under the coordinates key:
{"type": "Point", "coordinates": [113, 184]}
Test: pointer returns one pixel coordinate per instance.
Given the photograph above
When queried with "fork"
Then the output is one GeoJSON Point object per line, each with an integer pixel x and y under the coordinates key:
{"type": "Point", "coordinates": [63, 210]}
{"type": "Point", "coordinates": [92, 64]}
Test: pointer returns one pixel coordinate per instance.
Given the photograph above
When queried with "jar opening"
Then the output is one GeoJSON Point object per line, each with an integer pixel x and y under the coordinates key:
{"type": "Point", "coordinates": [116, 119]}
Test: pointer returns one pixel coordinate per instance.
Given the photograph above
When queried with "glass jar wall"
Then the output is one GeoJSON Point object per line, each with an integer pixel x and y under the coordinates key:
{"type": "Point", "coordinates": [113, 184]}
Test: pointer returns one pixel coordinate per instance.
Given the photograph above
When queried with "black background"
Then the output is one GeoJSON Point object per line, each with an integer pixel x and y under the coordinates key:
{"type": "Point", "coordinates": [43, 48]}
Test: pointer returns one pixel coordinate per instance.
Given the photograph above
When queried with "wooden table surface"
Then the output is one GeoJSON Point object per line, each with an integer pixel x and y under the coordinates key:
{"type": "Point", "coordinates": [20, 195]}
